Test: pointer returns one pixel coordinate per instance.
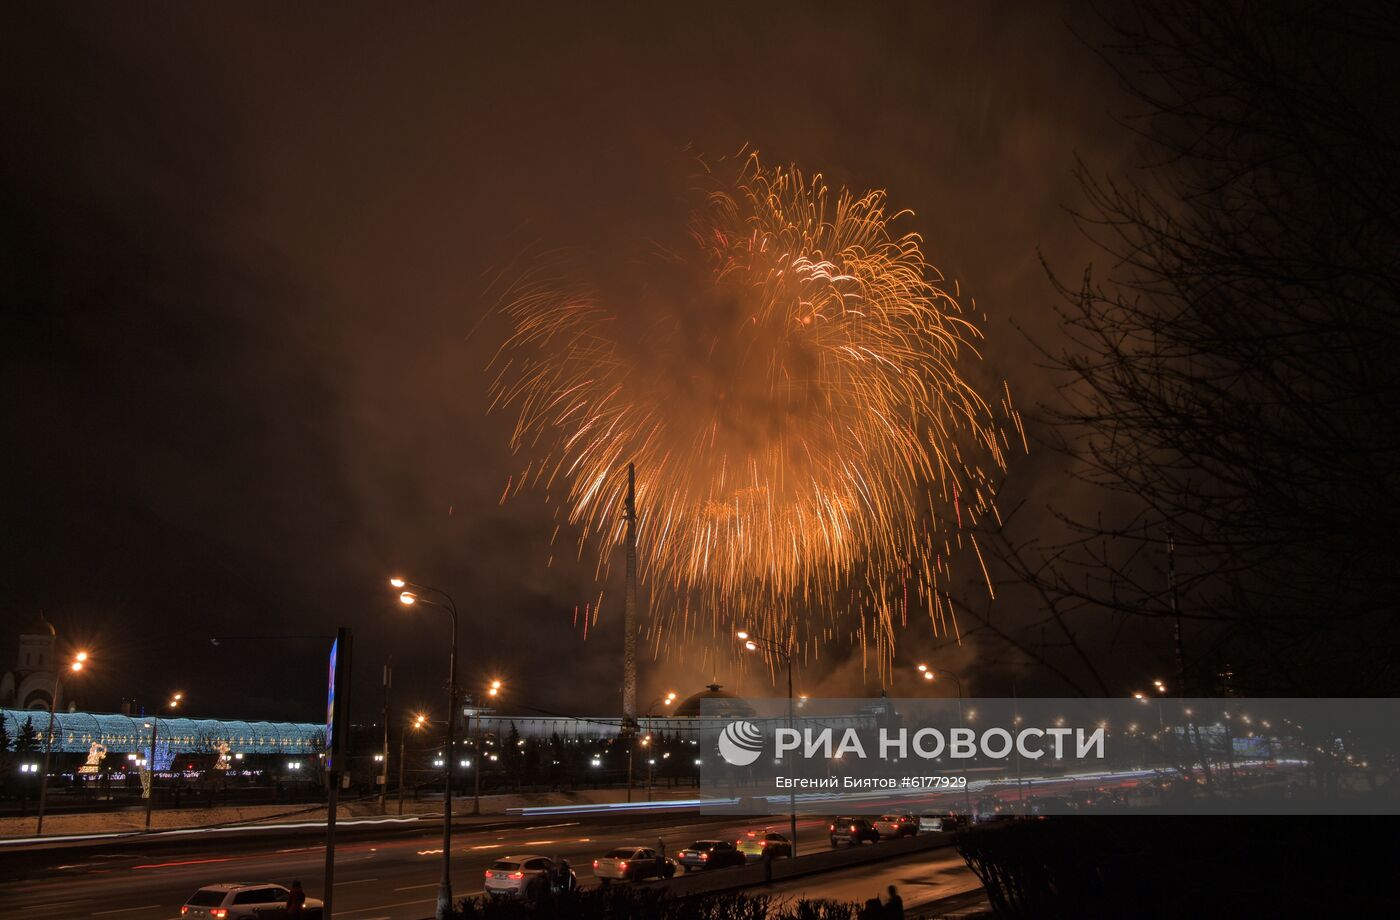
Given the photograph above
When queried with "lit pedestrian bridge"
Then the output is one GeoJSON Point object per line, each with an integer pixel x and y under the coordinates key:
{"type": "Point", "coordinates": [76, 732]}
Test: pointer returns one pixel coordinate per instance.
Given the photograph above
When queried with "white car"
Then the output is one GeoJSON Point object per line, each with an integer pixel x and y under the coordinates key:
{"type": "Point", "coordinates": [896, 826]}
{"type": "Point", "coordinates": [632, 864]}
{"type": "Point", "coordinates": [243, 901]}
{"type": "Point", "coordinates": [943, 821]}
{"type": "Point", "coordinates": [520, 876]}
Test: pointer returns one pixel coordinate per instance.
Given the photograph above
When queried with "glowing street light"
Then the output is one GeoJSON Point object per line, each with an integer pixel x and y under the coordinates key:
{"type": "Point", "coordinates": [174, 702]}
{"type": "Point", "coordinates": [493, 690]}
{"type": "Point", "coordinates": [667, 700]}
{"type": "Point", "coordinates": [419, 720]}
{"type": "Point", "coordinates": [930, 674]}
{"type": "Point", "coordinates": [752, 643]}
{"type": "Point", "coordinates": [409, 598]}
{"type": "Point", "coordinates": [75, 666]}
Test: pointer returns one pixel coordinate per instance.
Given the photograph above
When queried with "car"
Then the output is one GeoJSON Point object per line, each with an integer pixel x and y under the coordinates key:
{"type": "Point", "coordinates": [756, 845]}
{"type": "Point", "coordinates": [528, 877]}
{"type": "Point", "coordinates": [896, 826]}
{"type": "Point", "coordinates": [243, 901]}
{"type": "Point", "coordinates": [710, 854]}
{"type": "Point", "coordinates": [632, 864]}
{"type": "Point", "coordinates": [945, 821]}
{"type": "Point", "coordinates": [852, 831]}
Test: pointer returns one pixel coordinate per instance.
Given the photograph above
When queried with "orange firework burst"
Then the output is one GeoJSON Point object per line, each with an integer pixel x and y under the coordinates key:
{"type": "Point", "coordinates": [791, 397]}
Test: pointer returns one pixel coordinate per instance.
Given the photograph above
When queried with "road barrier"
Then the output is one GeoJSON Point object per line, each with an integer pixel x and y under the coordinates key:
{"type": "Point", "coordinates": [753, 874]}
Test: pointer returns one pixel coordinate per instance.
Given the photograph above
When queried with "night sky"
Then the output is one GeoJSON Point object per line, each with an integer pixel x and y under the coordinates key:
{"type": "Point", "coordinates": [247, 255]}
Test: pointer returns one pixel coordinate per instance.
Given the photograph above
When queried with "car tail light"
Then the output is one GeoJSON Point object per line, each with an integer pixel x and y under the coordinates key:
{"type": "Point", "coordinates": [488, 873]}
{"type": "Point", "coordinates": [833, 827]}
{"type": "Point", "coordinates": [184, 910]}
{"type": "Point", "coordinates": [218, 913]}
{"type": "Point", "coordinates": [517, 875]}
{"type": "Point", "coordinates": [622, 866]}
{"type": "Point", "coordinates": [595, 863]}
{"type": "Point", "coordinates": [853, 828]}
{"type": "Point", "coordinates": [704, 855]}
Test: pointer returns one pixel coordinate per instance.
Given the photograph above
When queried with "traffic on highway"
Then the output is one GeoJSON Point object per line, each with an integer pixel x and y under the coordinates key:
{"type": "Point", "coordinates": [386, 874]}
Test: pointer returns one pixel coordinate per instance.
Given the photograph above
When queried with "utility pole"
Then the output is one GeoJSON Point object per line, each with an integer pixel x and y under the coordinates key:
{"type": "Point", "coordinates": [1176, 614]}
{"type": "Point", "coordinates": [48, 749]}
{"type": "Point", "coordinates": [629, 617]}
{"type": "Point", "coordinates": [384, 773]}
{"type": "Point", "coordinates": [477, 767]}
{"type": "Point", "coordinates": [792, 793]}
{"type": "Point", "coordinates": [403, 739]}
{"type": "Point", "coordinates": [629, 628]}
{"type": "Point", "coordinates": [337, 749]}
{"type": "Point", "coordinates": [151, 770]}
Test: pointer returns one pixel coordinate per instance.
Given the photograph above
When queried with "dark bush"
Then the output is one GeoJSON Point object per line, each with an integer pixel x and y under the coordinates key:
{"type": "Point", "coordinates": [1163, 867]}
{"type": "Point", "coordinates": [655, 904]}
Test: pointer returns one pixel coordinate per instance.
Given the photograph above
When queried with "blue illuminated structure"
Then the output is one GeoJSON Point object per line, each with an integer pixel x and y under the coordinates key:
{"type": "Point", "coordinates": [75, 732]}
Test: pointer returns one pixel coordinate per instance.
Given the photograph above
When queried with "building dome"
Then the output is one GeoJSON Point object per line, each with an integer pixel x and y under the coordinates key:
{"type": "Point", "coordinates": [722, 705]}
{"type": "Point", "coordinates": [39, 627]}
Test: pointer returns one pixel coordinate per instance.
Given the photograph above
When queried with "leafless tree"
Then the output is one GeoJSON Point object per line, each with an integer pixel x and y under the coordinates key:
{"type": "Point", "coordinates": [1233, 362]}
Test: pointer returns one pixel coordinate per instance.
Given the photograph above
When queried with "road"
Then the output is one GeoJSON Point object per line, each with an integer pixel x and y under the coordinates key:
{"type": "Point", "coordinates": [391, 875]}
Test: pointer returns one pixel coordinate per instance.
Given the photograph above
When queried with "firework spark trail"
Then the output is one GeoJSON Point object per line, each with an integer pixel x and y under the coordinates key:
{"type": "Point", "coordinates": [793, 403]}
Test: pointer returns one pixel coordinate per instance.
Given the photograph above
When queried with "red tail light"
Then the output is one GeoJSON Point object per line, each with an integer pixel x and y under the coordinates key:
{"type": "Point", "coordinates": [488, 873]}
{"type": "Point", "coordinates": [218, 913]}
{"type": "Point", "coordinates": [622, 866]}
{"type": "Point", "coordinates": [595, 863]}
{"type": "Point", "coordinates": [833, 827]}
{"type": "Point", "coordinates": [853, 828]}
{"type": "Point", "coordinates": [704, 855]}
{"type": "Point", "coordinates": [517, 875]}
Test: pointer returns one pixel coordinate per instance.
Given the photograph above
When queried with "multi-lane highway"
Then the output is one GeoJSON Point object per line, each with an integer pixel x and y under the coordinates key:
{"type": "Point", "coordinates": [392, 874]}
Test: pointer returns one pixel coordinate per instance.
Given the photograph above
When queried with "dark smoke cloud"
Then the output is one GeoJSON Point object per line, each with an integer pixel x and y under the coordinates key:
{"type": "Point", "coordinates": [247, 265]}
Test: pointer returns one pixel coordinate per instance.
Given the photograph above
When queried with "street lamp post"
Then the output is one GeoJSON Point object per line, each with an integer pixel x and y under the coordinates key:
{"type": "Point", "coordinates": [492, 691]}
{"type": "Point", "coordinates": [418, 723]}
{"type": "Point", "coordinates": [929, 675]}
{"type": "Point", "coordinates": [408, 596]}
{"type": "Point", "coordinates": [75, 666]}
{"type": "Point", "coordinates": [384, 758]}
{"type": "Point", "coordinates": [175, 701]}
{"type": "Point", "coordinates": [753, 643]}
{"type": "Point", "coordinates": [651, 756]}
